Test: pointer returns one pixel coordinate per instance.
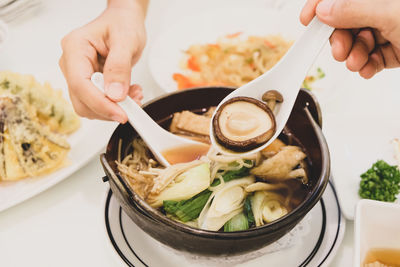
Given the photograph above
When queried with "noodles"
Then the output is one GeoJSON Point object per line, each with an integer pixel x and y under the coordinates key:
{"type": "Point", "coordinates": [232, 61]}
{"type": "Point", "coordinates": [221, 185]}
{"type": "Point", "coordinates": [214, 156]}
{"type": "Point", "coordinates": [137, 168]}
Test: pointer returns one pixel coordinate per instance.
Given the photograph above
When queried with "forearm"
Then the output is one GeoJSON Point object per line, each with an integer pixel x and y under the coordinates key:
{"type": "Point", "coordinates": [133, 4]}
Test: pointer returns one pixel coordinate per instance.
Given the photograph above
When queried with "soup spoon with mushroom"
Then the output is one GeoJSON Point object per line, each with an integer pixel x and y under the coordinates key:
{"type": "Point", "coordinates": [252, 116]}
{"type": "Point", "coordinates": [157, 139]}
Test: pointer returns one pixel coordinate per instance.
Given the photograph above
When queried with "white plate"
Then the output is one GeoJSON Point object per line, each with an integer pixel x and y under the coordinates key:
{"type": "Point", "coordinates": [359, 125]}
{"type": "Point", "coordinates": [167, 50]}
{"type": "Point", "coordinates": [133, 247]}
{"type": "Point", "coordinates": [86, 143]}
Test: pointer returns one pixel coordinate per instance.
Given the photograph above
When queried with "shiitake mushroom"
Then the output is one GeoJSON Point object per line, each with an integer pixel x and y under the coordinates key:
{"type": "Point", "coordinates": [271, 97]}
{"type": "Point", "coordinates": [243, 123]}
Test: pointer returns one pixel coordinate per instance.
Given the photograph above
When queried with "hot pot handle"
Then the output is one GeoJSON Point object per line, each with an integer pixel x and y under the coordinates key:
{"type": "Point", "coordinates": [122, 187]}
{"type": "Point", "coordinates": [326, 165]}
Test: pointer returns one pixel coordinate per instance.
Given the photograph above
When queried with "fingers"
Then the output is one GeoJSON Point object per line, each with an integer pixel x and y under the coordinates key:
{"type": "Point", "coordinates": [375, 64]}
{"type": "Point", "coordinates": [341, 42]}
{"type": "Point", "coordinates": [370, 69]}
{"type": "Point", "coordinates": [379, 61]}
{"type": "Point", "coordinates": [117, 73]}
{"type": "Point", "coordinates": [136, 93]}
{"type": "Point", "coordinates": [77, 66]}
{"type": "Point", "coordinates": [308, 11]}
{"type": "Point", "coordinates": [118, 65]}
{"type": "Point", "coordinates": [390, 55]}
{"type": "Point", "coordinates": [366, 34]}
{"type": "Point", "coordinates": [348, 14]}
{"type": "Point", "coordinates": [356, 53]}
{"type": "Point", "coordinates": [111, 44]}
{"type": "Point", "coordinates": [362, 47]}
{"type": "Point", "coordinates": [83, 110]}
{"type": "Point", "coordinates": [97, 102]}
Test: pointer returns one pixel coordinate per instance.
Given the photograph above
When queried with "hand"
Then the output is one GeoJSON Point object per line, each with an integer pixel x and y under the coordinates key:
{"type": "Point", "coordinates": [111, 44]}
{"type": "Point", "coordinates": [367, 34]}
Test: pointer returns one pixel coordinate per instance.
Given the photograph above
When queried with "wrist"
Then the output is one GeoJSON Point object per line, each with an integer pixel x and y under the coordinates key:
{"type": "Point", "coordinates": [135, 5]}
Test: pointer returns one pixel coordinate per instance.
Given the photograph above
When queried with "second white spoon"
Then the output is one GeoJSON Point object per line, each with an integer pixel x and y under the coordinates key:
{"type": "Point", "coordinates": [286, 77]}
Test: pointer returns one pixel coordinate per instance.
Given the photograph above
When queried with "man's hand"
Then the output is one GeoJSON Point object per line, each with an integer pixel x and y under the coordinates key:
{"type": "Point", "coordinates": [367, 34]}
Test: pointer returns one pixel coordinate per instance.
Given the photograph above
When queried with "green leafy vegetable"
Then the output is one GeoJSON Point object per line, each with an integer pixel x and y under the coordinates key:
{"type": "Point", "coordinates": [5, 84]}
{"type": "Point", "coordinates": [310, 79]}
{"type": "Point", "coordinates": [187, 210]}
{"type": "Point", "coordinates": [231, 175]}
{"type": "Point", "coordinates": [237, 223]}
{"type": "Point", "coordinates": [320, 73]}
{"type": "Point", "coordinates": [249, 60]}
{"type": "Point", "coordinates": [52, 111]}
{"type": "Point", "coordinates": [185, 186]}
{"type": "Point", "coordinates": [248, 211]}
{"type": "Point", "coordinates": [16, 89]}
{"type": "Point", "coordinates": [380, 182]}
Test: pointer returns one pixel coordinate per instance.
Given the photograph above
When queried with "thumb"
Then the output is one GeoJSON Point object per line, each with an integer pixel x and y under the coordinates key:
{"type": "Point", "coordinates": [348, 14]}
{"type": "Point", "coordinates": [117, 72]}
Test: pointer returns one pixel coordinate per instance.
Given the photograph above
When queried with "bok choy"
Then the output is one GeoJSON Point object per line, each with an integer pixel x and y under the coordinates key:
{"type": "Point", "coordinates": [185, 186]}
{"type": "Point", "coordinates": [187, 210]}
{"type": "Point", "coordinates": [248, 211]}
{"type": "Point", "coordinates": [238, 223]}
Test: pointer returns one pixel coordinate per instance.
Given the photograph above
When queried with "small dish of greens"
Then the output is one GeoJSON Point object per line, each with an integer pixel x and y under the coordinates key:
{"type": "Point", "coordinates": [380, 182]}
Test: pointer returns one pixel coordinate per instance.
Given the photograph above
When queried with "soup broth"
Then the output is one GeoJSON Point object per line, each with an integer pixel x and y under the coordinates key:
{"type": "Point", "coordinates": [187, 153]}
{"type": "Point", "coordinates": [388, 257]}
{"type": "Point", "coordinates": [298, 193]}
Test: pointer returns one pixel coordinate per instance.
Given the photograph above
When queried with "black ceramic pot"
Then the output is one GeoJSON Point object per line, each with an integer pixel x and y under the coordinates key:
{"type": "Point", "coordinates": [302, 128]}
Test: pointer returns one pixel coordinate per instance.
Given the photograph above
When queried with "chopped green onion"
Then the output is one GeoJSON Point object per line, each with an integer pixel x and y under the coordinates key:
{"type": "Point", "coordinates": [380, 182]}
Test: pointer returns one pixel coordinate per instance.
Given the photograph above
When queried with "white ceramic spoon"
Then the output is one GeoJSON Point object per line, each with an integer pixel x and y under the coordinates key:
{"type": "Point", "coordinates": [157, 138]}
{"type": "Point", "coordinates": [286, 77]}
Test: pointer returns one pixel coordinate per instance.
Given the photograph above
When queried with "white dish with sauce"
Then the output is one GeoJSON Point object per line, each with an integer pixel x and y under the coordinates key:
{"type": "Point", "coordinates": [377, 233]}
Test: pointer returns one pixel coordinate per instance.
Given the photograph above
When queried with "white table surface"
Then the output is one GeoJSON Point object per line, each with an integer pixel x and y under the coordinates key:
{"type": "Point", "coordinates": [63, 226]}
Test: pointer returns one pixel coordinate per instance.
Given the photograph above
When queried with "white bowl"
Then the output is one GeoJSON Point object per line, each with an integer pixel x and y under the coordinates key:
{"type": "Point", "coordinates": [377, 225]}
{"type": "Point", "coordinates": [3, 32]}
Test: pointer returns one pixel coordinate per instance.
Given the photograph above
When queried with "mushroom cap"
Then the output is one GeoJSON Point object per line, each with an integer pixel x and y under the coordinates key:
{"type": "Point", "coordinates": [243, 123]}
{"type": "Point", "coordinates": [272, 95]}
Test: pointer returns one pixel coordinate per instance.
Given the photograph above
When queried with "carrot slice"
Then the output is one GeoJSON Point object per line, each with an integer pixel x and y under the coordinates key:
{"type": "Point", "coordinates": [269, 44]}
{"type": "Point", "coordinates": [233, 35]}
{"type": "Point", "coordinates": [214, 45]}
{"type": "Point", "coordinates": [192, 64]}
{"type": "Point", "coordinates": [184, 82]}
